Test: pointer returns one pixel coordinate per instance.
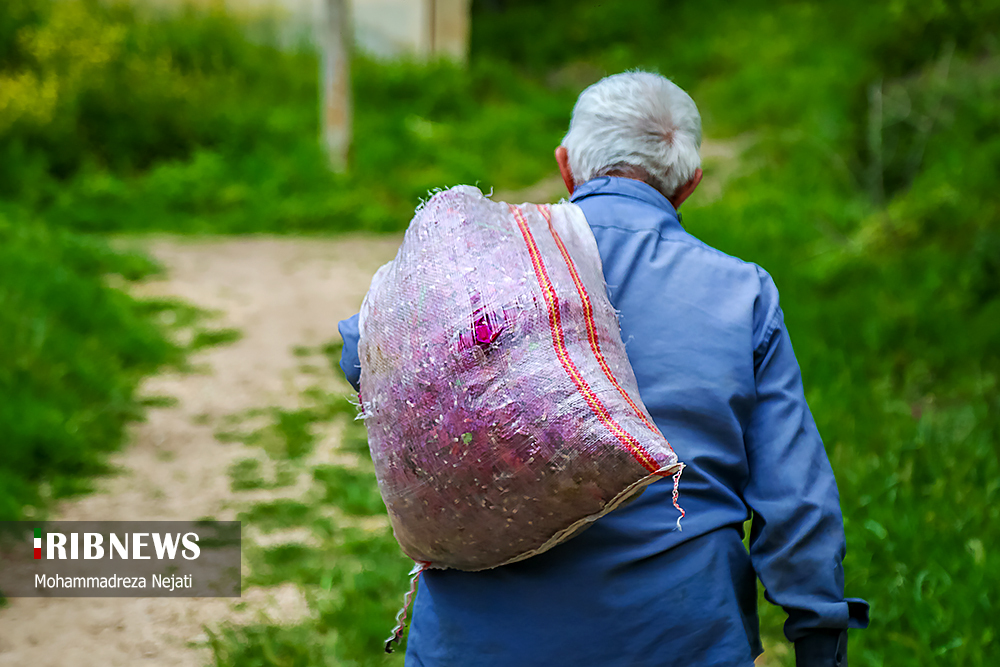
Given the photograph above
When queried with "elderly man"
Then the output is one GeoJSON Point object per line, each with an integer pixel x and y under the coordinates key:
{"type": "Point", "coordinates": [714, 364]}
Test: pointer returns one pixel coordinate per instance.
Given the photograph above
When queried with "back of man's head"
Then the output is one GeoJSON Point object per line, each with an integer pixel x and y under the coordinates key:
{"type": "Point", "coordinates": [635, 119]}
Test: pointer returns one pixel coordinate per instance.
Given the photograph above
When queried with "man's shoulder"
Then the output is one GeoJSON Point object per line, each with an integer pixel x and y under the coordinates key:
{"type": "Point", "coordinates": [633, 217]}
{"type": "Point", "coordinates": [752, 270]}
{"type": "Point", "coordinates": [648, 242]}
{"type": "Point", "coordinates": [729, 268]}
{"type": "Point", "coordinates": [713, 254]}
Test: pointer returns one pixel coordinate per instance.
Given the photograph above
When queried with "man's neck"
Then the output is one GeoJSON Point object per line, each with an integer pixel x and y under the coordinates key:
{"type": "Point", "coordinates": [636, 173]}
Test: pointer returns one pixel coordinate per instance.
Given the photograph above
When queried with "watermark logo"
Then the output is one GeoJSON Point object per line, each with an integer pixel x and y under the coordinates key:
{"type": "Point", "coordinates": [128, 558]}
{"type": "Point", "coordinates": [90, 546]}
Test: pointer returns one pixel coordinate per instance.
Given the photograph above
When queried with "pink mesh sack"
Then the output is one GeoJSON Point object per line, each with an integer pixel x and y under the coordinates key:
{"type": "Point", "coordinates": [502, 412]}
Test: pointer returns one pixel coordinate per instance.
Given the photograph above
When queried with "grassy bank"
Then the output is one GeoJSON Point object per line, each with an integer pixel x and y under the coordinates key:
{"type": "Point", "coordinates": [73, 349]}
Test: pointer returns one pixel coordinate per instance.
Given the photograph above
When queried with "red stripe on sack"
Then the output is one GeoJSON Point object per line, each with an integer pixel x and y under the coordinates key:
{"type": "Point", "coordinates": [559, 343]}
{"type": "Point", "coordinates": [38, 554]}
{"type": "Point", "coordinates": [588, 312]}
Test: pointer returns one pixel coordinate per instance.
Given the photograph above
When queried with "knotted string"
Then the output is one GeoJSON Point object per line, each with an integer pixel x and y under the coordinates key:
{"type": "Point", "coordinates": [397, 632]}
{"type": "Point", "coordinates": [677, 481]}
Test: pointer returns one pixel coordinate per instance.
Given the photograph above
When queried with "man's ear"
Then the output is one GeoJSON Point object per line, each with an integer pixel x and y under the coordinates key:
{"type": "Point", "coordinates": [562, 159]}
{"type": "Point", "coordinates": [685, 190]}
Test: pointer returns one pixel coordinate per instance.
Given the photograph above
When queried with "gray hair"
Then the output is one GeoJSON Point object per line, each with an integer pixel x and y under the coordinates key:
{"type": "Point", "coordinates": [635, 119]}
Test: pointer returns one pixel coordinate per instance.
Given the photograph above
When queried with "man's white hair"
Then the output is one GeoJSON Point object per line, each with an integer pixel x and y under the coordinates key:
{"type": "Point", "coordinates": [636, 119]}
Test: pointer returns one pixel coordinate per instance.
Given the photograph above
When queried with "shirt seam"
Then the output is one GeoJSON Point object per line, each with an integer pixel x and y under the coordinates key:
{"type": "Point", "coordinates": [772, 326]}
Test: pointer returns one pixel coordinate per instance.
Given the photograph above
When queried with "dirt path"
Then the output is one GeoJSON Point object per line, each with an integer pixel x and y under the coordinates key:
{"type": "Point", "coordinates": [280, 293]}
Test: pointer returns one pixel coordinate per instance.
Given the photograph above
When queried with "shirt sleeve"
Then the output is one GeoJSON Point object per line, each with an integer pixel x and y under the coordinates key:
{"type": "Point", "coordinates": [350, 362]}
{"type": "Point", "coordinates": [797, 542]}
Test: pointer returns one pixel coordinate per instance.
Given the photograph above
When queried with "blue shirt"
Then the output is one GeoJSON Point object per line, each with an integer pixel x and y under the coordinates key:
{"type": "Point", "coordinates": [715, 368]}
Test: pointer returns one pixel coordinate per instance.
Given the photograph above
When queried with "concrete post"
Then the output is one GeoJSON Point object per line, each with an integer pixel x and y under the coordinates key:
{"type": "Point", "coordinates": [336, 83]}
{"type": "Point", "coordinates": [449, 26]}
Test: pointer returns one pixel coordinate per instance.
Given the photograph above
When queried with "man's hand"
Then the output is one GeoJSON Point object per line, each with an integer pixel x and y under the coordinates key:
{"type": "Point", "coordinates": [822, 648]}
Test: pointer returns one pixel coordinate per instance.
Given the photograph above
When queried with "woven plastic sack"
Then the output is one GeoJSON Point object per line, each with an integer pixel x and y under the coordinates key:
{"type": "Point", "coordinates": [502, 412]}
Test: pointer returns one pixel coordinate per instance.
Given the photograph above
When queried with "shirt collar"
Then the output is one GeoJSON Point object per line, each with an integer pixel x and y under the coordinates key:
{"type": "Point", "coordinates": [628, 187]}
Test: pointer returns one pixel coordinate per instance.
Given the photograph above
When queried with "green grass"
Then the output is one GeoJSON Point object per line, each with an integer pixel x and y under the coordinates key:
{"type": "Point", "coordinates": [276, 514]}
{"type": "Point", "coordinates": [353, 491]}
{"type": "Point", "coordinates": [355, 583]}
{"type": "Point", "coordinates": [247, 474]}
{"type": "Point", "coordinates": [206, 338]}
{"type": "Point", "coordinates": [352, 572]}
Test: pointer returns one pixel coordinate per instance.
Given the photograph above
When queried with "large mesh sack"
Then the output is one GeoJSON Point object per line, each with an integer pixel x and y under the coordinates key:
{"type": "Point", "coordinates": [502, 413]}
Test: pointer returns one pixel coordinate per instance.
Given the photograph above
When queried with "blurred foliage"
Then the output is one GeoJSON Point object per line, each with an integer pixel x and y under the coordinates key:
{"type": "Point", "coordinates": [866, 186]}
{"type": "Point", "coordinates": [192, 122]}
{"type": "Point", "coordinates": [72, 351]}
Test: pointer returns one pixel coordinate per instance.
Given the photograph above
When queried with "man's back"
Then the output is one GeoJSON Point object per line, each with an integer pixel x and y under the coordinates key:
{"type": "Point", "coordinates": [714, 367]}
